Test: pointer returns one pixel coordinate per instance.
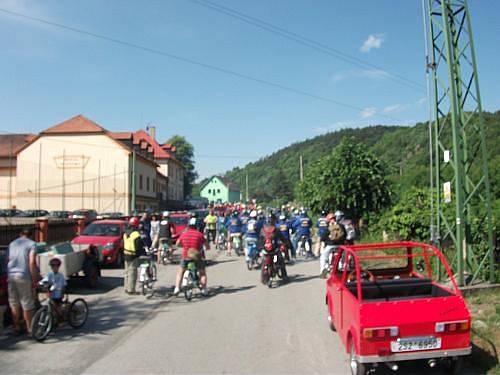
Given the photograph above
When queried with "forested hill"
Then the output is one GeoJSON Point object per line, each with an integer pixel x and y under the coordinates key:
{"type": "Point", "coordinates": [403, 149]}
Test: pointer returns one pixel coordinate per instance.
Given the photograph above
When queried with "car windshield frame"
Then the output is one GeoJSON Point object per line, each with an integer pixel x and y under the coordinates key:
{"type": "Point", "coordinates": [102, 232]}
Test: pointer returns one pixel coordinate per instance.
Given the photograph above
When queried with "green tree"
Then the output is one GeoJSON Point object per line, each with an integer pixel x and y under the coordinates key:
{"type": "Point", "coordinates": [281, 187]}
{"type": "Point", "coordinates": [409, 219]}
{"type": "Point", "coordinates": [185, 154]}
{"type": "Point", "coordinates": [351, 178]}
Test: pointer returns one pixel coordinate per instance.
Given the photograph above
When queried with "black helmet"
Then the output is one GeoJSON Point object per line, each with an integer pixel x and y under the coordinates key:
{"type": "Point", "coordinates": [323, 213]}
{"type": "Point", "coordinates": [55, 262]}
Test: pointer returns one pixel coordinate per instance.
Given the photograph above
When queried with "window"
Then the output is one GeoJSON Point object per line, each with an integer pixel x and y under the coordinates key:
{"type": "Point", "coordinates": [147, 183]}
{"type": "Point", "coordinates": [218, 190]}
{"type": "Point", "coordinates": [140, 181]}
{"type": "Point", "coordinates": [154, 185]}
{"type": "Point", "coordinates": [209, 191]}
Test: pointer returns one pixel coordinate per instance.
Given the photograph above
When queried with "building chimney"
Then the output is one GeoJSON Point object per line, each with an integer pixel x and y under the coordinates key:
{"type": "Point", "coordinates": [152, 132]}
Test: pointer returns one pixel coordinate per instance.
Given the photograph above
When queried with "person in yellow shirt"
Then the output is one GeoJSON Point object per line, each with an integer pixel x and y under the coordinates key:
{"type": "Point", "coordinates": [211, 225]}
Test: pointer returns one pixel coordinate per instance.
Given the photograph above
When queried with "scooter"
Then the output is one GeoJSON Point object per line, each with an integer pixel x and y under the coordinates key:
{"type": "Point", "coordinates": [253, 259]}
{"type": "Point", "coordinates": [303, 246]}
{"type": "Point", "coordinates": [221, 241]}
{"type": "Point", "coordinates": [166, 253]}
{"type": "Point", "coordinates": [236, 243]}
{"type": "Point", "coordinates": [272, 265]}
{"type": "Point", "coordinates": [147, 272]}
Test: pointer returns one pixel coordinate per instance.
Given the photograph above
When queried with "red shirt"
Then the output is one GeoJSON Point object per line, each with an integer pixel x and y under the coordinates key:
{"type": "Point", "coordinates": [191, 239]}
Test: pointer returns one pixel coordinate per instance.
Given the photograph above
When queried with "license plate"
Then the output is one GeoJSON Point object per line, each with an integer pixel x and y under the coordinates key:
{"type": "Point", "coordinates": [416, 343]}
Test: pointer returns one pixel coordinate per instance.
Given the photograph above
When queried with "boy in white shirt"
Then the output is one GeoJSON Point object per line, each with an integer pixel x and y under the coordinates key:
{"type": "Point", "coordinates": [56, 280]}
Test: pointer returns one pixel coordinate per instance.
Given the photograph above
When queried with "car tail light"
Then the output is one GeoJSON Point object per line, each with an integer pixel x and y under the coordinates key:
{"type": "Point", "coordinates": [380, 332]}
{"type": "Point", "coordinates": [456, 326]}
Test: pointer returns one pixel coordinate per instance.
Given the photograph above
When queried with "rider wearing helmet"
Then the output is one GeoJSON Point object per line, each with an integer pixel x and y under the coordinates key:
{"type": "Point", "coordinates": [348, 225]}
{"type": "Point", "coordinates": [192, 242]}
{"type": "Point", "coordinates": [251, 232]}
{"type": "Point", "coordinates": [133, 248]}
{"type": "Point", "coordinates": [166, 231]}
{"type": "Point", "coordinates": [284, 227]}
{"type": "Point", "coordinates": [272, 235]}
{"type": "Point", "coordinates": [56, 280]}
{"type": "Point", "coordinates": [235, 229]}
{"type": "Point", "coordinates": [322, 226]}
{"type": "Point", "coordinates": [302, 227]}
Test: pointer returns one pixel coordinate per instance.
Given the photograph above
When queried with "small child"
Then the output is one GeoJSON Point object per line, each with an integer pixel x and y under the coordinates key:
{"type": "Point", "coordinates": [56, 280]}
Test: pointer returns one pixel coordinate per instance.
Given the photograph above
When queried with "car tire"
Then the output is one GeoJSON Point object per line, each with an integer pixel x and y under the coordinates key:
{"type": "Point", "coordinates": [453, 366]}
{"type": "Point", "coordinates": [356, 367]}
{"type": "Point", "coordinates": [119, 260]}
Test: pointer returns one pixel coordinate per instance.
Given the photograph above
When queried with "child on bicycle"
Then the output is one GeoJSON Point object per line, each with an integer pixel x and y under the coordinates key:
{"type": "Point", "coordinates": [56, 281]}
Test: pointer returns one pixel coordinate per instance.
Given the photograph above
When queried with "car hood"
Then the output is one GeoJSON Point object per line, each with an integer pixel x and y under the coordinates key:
{"type": "Point", "coordinates": [94, 240]}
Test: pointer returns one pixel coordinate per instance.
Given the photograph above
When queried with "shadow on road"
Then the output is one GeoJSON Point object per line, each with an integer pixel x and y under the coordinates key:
{"type": "Point", "coordinates": [301, 278]}
{"type": "Point", "coordinates": [106, 284]}
{"type": "Point", "coordinates": [219, 289]}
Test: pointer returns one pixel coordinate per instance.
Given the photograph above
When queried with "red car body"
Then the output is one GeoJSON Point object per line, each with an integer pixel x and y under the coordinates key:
{"type": "Point", "coordinates": [180, 221]}
{"type": "Point", "coordinates": [109, 239]}
{"type": "Point", "coordinates": [399, 311]}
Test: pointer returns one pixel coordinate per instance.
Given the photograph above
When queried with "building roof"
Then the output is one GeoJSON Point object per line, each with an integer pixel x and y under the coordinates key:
{"type": "Point", "coordinates": [121, 136]}
{"type": "Point", "coordinates": [77, 124]}
{"type": "Point", "coordinates": [159, 151]}
{"type": "Point", "coordinates": [227, 183]}
{"type": "Point", "coordinates": [16, 141]}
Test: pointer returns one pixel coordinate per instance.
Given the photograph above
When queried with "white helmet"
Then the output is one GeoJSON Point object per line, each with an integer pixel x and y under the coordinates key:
{"type": "Point", "coordinates": [165, 214]}
{"type": "Point", "coordinates": [339, 215]}
{"type": "Point", "coordinates": [282, 217]}
{"type": "Point", "coordinates": [253, 214]}
{"type": "Point", "coordinates": [192, 222]}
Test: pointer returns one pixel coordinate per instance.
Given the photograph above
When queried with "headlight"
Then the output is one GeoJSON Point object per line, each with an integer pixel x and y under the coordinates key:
{"type": "Point", "coordinates": [109, 246]}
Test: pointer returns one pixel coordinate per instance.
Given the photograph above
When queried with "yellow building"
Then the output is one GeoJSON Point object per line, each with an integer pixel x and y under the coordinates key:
{"type": "Point", "coordinates": [78, 164]}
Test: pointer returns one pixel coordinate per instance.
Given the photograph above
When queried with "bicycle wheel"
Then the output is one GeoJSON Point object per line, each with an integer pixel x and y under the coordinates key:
{"type": "Point", "coordinates": [188, 289]}
{"type": "Point", "coordinates": [77, 313]}
{"type": "Point", "coordinates": [153, 272]}
{"type": "Point", "coordinates": [41, 324]}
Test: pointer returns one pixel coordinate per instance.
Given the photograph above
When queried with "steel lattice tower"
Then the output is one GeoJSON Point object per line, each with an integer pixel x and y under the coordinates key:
{"type": "Point", "coordinates": [464, 217]}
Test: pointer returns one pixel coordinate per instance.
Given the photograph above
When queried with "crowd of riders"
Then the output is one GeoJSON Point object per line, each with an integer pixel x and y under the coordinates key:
{"type": "Point", "coordinates": [285, 234]}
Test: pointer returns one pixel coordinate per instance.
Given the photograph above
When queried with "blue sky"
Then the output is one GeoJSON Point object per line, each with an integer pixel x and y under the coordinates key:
{"type": "Point", "coordinates": [49, 74]}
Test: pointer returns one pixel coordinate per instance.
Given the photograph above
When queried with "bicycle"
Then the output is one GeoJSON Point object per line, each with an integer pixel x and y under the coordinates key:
{"type": "Point", "coordinates": [190, 280]}
{"type": "Point", "coordinates": [166, 252]}
{"type": "Point", "coordinates": [48, 316]}
{"type": "Point", "coordinates": [147, 271]}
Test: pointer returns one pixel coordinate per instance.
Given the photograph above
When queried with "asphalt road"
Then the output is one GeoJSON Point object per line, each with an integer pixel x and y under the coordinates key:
{"type": "Point", "coordinates": [241, 328]}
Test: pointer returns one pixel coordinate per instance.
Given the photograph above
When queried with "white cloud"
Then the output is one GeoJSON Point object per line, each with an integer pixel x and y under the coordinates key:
{"type": "Point", "coordinates": [395, 108]}
{"type": "Point", "coordinates": [374, 41]}
{"type": "Point", "coordinates": [367, 73]}
{"type": "Point", "coordinates": [368, 112]}
{"type": "Point", "coordinates": [421, 101]}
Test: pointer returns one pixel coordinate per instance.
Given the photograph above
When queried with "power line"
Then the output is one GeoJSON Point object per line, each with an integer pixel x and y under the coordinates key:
{"type": "Point", "coordinates": [308, 42]}
{"type": "Point", "coordinates": [189, 61]}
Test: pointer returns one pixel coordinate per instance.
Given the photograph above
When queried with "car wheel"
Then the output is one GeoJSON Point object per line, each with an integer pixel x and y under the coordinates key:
{"type": "Point", "coordinates": [453, 365]}
{"type": "Point", "coordinates": [356, 367]}
{"type": "Point", "coordinates": [119, 259]}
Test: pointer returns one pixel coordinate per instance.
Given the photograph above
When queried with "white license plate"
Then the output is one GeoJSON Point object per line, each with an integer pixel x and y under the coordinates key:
{"type": "Point", "coordinates": [416, 343]}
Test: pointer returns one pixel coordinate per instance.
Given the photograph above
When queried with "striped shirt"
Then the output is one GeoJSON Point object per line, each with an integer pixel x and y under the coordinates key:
{"type": "Point", "coordinates": [191, 239]}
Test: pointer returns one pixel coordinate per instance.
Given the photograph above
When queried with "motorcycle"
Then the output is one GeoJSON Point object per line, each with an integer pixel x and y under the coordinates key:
{"type": "Point", "coordinates": [253, 257]}
{"type": "Point", "coordinates": [303, 246]}
{"type": "Point", "coordinates": [166, 253]}
{"type": "Point", "coordinates": [190, 280]}
{"type": "Point", "coordinates": [284, 252]}
{"type": "Point", "coordinates": [147, 272]}
{"type": "Point", "coordinates": [236, 243]}
{"type": "Point", "coordinates": [272, 265]}
{"type": "Point", "coordinates": [221, 241]}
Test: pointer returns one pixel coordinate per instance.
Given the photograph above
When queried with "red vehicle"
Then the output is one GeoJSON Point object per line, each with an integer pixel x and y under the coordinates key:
{"type": "Point", "coordinates": [387, 305]}
{"type": "Point", "coordinates": [107, 235]}
{"type": "Point", "coordinates": [180, 221]}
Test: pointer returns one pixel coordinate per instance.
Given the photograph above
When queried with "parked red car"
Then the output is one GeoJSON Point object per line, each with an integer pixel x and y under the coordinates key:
{"type": "Point", "coordinates": [180, 221]}
{"type": "Point", "coordinates": [107, 235]}
{"type": "Point", "coordinates": [388, 304]}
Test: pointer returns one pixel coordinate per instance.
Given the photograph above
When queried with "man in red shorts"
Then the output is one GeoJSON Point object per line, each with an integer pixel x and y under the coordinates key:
{"type": "Point", "coordinates": [192, 240]}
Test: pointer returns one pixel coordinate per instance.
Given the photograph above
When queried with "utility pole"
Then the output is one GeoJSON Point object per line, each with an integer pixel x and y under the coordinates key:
{"type": "Point", "coordinates": [132, 203]}
{"type": "Point", "coordinates": [63, 186]}
{"type": "Point", "coordinates": [99, 186]}
{"type": "Point", "coordinates": [83, 182]}
{"type": "Point", "coordinates": [459, 143]}
{"type": "Point", "coordinates": [301, 166]}
{"type": "Point", "coordinates": [39, 177]}
{"type": "Point", "coordinates": [10, 171]}
{"type": "Point", "coordinates": [114, 188]}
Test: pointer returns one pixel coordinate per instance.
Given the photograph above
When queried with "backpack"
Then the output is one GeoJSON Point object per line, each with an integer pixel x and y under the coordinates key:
{"type": "Point", "coordinates": [336, 232]}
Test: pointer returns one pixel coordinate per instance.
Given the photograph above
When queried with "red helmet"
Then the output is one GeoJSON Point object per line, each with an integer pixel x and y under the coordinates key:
{"type": "Point", "coordinates": [134, 222]}
{"type": "Point", "coordinates": [330, 217]}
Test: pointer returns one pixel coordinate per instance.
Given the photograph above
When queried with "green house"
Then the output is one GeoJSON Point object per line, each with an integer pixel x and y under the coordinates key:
{"type": "Point", "coordinates": [220, 190]}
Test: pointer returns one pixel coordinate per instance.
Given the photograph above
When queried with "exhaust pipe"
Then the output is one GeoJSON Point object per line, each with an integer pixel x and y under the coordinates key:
{"type": "Point", "coordinates": [392, 365]}
{"type": "Point", "coordinates": [432, 363]}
